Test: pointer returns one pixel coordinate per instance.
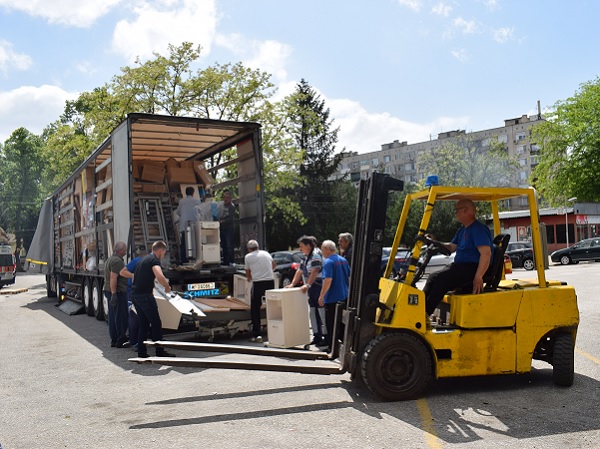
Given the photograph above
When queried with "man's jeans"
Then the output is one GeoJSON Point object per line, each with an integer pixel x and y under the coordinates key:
{"type": "Point", "coordinates": [118, 321]}
{"type": "Point", "coordinates": [147, 311]}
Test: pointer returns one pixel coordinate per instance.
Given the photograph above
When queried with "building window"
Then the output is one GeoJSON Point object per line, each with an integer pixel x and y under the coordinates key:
{"type": "Point", "coordinates": [535, 148]}
{"type": "Point", "coordinates": [386, 159]}
{"type": "Point", "coordinates": [550, 233]}
{"type": "Point", "coordinates": [409, 167]}
{"type": "Point", "coordinates": [520, 136]}
{"type": "Point", "coordinates": [503, 138]}
{"type": "Point", "coordinates": [354, 165]}
{"type": "Point", "coordinates": [375, 162]}
{"type": "Point", "coordinates": [522, 162]}
{"type": "Point", "coordinates": [520, 149]}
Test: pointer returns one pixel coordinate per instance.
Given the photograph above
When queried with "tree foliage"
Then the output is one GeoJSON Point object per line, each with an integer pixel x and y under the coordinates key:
{"type": "Point", "coordinates": [21, 168]}
{"type": "Point", "coordinates": [327, 205]}
{"type": "Point", "coordinates": [569, 144]}
{"type": "Point", "coordinates": [466, 161]}
{"type": "Point", "coordinates": [174, 85]}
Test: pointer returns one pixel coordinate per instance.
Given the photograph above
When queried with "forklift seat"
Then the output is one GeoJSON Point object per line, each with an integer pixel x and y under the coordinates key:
{"type": "Point", "coordinates": [493, 275]}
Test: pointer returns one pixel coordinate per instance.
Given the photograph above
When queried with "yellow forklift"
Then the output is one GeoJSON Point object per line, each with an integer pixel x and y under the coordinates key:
{"type": "Point", "coordinates": [389, 341]}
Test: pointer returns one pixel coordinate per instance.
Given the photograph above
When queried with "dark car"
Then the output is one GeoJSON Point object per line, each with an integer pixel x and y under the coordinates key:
{"type": "Point", "coordinates": [521, 255]}
{"type": "Point", "coordinates": [287, 263]}
{"type": "Point", "coordinates": [588, 249]}
{"type": "Point", "coordinates": [400, 262]}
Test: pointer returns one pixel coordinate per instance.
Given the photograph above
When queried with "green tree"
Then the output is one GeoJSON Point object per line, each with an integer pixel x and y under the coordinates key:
{"type": "Point", "coordinates": [569, 144]}
{"type": "Point", "coordinates": [467, 161]}
{"type": "Point", "coordinates": [20, 170]}
{"type": "Point", "coordinates": [172, 85]}
{"type": "Point", "coordinates": [328, 205]}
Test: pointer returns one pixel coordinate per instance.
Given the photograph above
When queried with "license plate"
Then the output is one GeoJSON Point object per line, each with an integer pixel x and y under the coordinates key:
{"type": "Point", "coordinates": [202, 286]}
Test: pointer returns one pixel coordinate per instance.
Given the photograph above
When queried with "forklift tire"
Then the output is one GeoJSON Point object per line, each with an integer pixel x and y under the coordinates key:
{"type": "Point", "coordinates": [563, 360]}
{"type": "Point", "coordinates": [396, 366]}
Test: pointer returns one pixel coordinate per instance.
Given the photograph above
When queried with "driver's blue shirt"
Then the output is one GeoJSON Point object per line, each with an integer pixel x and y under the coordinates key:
{"type": "Point", "coordinates": [467, 239]}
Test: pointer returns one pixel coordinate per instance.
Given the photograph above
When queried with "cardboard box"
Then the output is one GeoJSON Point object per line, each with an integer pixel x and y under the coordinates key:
{"type": "Point", "coordinates": [153, 171]}
{"type": "Point", "coordinates": [136, 170]}
{"type": "Point", "coordinates": [154, 188]}
{"type": "Point", "coordinates": [171, 162]}
{"type": "Point", "coordinates": [178, 175]}
{"type": "Point", "coordinates": [203, 175]}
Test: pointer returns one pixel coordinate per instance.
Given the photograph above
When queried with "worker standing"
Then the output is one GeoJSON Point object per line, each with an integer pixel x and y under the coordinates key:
{"type": "Point", "coordinates": [259, 271]}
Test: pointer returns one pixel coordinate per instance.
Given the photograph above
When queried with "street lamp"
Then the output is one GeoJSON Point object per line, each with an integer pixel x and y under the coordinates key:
{"type": "Point", "coordinates": [570, 200]}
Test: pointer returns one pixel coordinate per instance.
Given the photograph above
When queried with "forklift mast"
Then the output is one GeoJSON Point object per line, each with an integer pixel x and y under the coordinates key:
{"type": "Point", "coordinates": [358, 314]}
{"type": "Point", "coordinates": [369, 226]}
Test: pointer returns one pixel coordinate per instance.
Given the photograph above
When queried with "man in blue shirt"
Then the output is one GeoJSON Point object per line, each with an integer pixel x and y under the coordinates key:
{"type": "Point", "coordinates": [336, 272]}
{"type": "Point", "coordinates": [473, 246]}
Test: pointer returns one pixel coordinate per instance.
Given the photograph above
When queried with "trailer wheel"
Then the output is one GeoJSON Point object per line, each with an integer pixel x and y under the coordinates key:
{"type": "Point", "coordinates": [105, 305]}
{"type": "Point", "coordinates": [86, 290]}
{"type": "Point", "coordinates": [396, 366]}
{"type": "Point", "coordinates": [97, 299]}
{"type": "Point", "coordinates": [563, 360]}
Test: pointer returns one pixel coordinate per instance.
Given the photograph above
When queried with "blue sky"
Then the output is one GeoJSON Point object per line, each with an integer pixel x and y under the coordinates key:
{"type": "Point", "coordinates": [387, 69]}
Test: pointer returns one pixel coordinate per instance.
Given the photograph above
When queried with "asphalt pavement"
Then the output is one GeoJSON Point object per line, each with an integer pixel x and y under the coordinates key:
{"type": "Point", "coordinates": [63, 386]}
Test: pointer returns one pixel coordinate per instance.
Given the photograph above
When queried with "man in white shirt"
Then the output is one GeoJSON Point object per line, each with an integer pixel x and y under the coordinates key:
{"type": "Point", "coordinates": [259, 271]}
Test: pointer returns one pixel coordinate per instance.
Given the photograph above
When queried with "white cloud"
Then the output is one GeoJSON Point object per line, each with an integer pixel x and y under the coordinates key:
{"type": "Point", "coordinates": [415, 5]}
{"type": "Point", "coordinates": [269, 56]}
{"type": "Point", "coordinates": [503, 35]}
{"type": "Point", "coordinates": [441, 9]}
{"type": "Point", "coordinates": [364, 132]}
{"type": "Point", "coordinates": [467, 26]}
{"type": "Point", "coordinates": [9, 58]}
{"type": "Point", "coordinates": [160, 23]}
{"type": "Point", "coordinates": [77, 13]}
{"type": "Point", "coordinates": [491, 4]}
{"type": "Point", "coordinates": [461, 54]}
{"type": "Point", "coordinates": [16, 108]}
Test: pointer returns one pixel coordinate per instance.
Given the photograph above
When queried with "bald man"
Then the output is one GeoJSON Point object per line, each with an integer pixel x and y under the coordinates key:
{"type": "Point", "coordinates": [473, 246]}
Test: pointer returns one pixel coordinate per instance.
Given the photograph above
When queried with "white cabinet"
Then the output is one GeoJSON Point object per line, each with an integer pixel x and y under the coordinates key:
{"type": "Point", "coordinates": [208, 248]}
{"type": "Point", "coordinates": [287, 317]}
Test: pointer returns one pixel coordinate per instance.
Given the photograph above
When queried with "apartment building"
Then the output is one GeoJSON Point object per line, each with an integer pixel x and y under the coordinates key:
{"type": "Point", "coordinates": [400, 159]}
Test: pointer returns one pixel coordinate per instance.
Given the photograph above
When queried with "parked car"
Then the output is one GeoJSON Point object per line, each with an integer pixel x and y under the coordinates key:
{"type": "Point", "coordinates": [8, 266]}
{"type": "Point", "coordinates": [437, 262]}
{"type": "Point", "coordinates": [588, 249]}
{"type": "Point", "coordinates": [287, 263]}
{"type": "Point", "coordinates": [400, 262]}
{"type": "Point", "coordinates": [521, 255]}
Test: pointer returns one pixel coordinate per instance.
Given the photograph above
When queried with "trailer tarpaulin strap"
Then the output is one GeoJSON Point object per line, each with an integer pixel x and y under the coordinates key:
{"type": "Point", "coordinates": [40, 250]}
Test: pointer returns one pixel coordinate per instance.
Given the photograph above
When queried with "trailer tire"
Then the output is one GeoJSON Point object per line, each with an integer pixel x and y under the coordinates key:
{"type": "Point", "coordinates": [396, 366]}
{"type": "Point", "coordinates": [86, 292]}
{"type": "Point", "coordinates": [97, 299]}
{"type": "Point", "coordinates": [563, 360]}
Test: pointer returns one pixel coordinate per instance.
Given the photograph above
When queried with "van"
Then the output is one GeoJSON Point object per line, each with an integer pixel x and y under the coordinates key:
{"type": "Point", "coordinates": [8, 266]}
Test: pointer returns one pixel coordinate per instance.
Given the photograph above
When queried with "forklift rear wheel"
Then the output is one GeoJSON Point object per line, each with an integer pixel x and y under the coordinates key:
{"type": "Point", "coordinates": [396, 366]}
{"type": "Point", "coordinates": [563, 360]}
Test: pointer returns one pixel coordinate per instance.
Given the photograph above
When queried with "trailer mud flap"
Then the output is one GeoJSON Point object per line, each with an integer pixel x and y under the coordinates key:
{"type": "Point", "coordinates": [71, 307]}
{"type": "Point", "coordinates": [328, 368]}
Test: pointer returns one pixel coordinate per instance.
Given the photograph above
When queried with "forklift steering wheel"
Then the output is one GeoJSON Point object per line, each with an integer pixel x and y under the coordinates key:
{"type": "Point", "coordinates": [439, 246]}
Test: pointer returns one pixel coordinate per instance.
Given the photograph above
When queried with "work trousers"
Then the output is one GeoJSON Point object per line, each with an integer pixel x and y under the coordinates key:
{"type": "Point", "coordinates": [330, 323]}
{"type": "Point", "coordinates": [117, 317]}
{"type": "Point", "coordinates": [147, 311]}
{"type": "Point", "coordinates": [439, 283]}
{"type": "Point", "coordinates": [258, 292]}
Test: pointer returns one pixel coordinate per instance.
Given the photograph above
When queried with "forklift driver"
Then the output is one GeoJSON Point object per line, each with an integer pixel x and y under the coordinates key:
{"type": "Point", "coordinates": [473, 246]}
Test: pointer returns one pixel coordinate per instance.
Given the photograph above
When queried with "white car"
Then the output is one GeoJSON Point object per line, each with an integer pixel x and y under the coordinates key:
{"type": "Point", "coordinates": [438, 262]}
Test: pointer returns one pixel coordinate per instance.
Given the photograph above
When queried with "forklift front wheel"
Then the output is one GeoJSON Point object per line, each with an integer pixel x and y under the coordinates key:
{"type": "Point", "coordinates": [396, 366]}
